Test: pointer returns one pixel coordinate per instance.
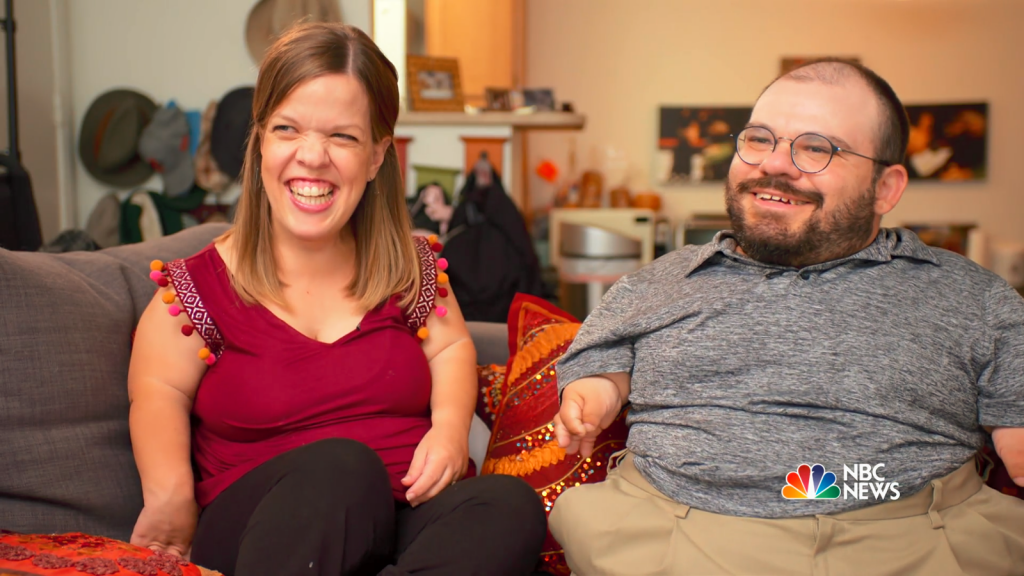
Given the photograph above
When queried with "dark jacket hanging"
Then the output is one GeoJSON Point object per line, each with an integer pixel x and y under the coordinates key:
{"type": "Point", "coordinates": [490, 252]}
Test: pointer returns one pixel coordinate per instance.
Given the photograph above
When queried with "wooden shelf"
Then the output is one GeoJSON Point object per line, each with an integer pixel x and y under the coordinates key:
{"type": "Point", "coordinates": [537, 120]}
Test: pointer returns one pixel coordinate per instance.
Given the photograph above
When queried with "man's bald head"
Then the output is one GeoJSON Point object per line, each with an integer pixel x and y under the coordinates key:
{"type": "Point", "coordinates": [894, 126]}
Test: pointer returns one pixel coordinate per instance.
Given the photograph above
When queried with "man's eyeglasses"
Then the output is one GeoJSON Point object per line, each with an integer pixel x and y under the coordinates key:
{"type": "Point", "coordinates": [811, 153]}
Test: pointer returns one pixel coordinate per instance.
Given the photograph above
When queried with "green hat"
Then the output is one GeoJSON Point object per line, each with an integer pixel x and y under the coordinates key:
{"type": "Point", "coordinates": [108, 142]}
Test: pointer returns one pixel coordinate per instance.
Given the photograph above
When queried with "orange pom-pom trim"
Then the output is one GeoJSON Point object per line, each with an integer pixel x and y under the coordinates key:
{"type": "Point", "coordinates": [422, 333]}
{"type": "Point", "coordinates": [168, 297]}
{"type": "Point", "coordinates": [432, 238]}
{"type": "Point", "coordinates": [204, 353]}
{"type": "Point", "coordinates": [442, 278]}
{"type": "Point", "coordinates": [156, 265]}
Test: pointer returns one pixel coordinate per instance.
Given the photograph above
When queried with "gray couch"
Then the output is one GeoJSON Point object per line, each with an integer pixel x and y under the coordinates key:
{"type": "Point", "coordinates": [65, 328]}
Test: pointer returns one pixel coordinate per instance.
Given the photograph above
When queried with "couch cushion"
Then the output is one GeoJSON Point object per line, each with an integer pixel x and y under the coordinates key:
{"type": "Point", "coordinates": [65, 329]}
{"type": "Point", "coordinates": [522, 442]}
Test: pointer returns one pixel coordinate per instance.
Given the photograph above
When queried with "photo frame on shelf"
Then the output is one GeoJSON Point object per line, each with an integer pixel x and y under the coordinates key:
{"type": "Point", "coordinates": [542, 99]}
{"type": "Point", "coordinates": [498, 99]}
{"type": "Point", "coordinates": [434, 84]}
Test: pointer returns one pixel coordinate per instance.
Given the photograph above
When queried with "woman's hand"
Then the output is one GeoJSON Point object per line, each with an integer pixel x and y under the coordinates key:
{"type": "Point", "coordinates": [440, 460]}
{"type": "Point", "coordinates": [168, 527]}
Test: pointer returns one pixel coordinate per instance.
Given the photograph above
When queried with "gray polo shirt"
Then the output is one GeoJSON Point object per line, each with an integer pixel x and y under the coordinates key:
{"type": "Point", "coordinates": [743, 371]}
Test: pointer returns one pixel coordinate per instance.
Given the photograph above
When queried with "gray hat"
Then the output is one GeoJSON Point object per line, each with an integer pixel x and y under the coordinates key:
{"type": "Point", "coordinates": [164, 143]}
{"type": "Point", "coordinates": [109, 137]}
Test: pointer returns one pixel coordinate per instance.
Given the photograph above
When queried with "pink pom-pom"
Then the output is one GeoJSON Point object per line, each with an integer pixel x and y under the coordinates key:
{"type": "Point", "coordinates": [174, 310]}
{"type": "Point", "coordinates": [441, 311]}
{"type": "Point", "coordinates": [155, 275]}
{"type": "Point", "coordinates": [210, 360]}
{"type": "Point", "coordinates": [442, 263]}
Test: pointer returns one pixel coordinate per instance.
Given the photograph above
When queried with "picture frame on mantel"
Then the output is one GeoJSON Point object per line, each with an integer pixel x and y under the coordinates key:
{"type": "Point", "coordinates": [434, 84]}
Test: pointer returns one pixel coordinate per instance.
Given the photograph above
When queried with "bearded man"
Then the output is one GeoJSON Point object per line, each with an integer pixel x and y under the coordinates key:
{"type": "Point", "coordinates": [807, 392]}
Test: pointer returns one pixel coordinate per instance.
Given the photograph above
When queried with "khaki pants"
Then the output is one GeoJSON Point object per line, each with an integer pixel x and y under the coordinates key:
{"type": "Point", "coordinates": [956, 525]}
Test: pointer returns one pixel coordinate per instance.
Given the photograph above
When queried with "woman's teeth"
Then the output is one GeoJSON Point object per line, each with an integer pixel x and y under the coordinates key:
{"type": "Point", "coordinates": [312, 195]}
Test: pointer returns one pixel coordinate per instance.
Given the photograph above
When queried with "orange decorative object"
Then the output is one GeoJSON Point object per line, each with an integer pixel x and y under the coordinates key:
{"type": "Point", "coordinates": [548, 171]}
{"type": "Point", "coordinates": [495, 148]}
{"type": "Point", "coordinates": [432, 238]}
{"type": "Point", "coordinates": [647, 200]}
{"type": "Point", "coordinates": [401, 148]}
{"type": "Point", "coordinates": [591, 189]}
{"type": "Point", "coordinates": [422, 333]}
{"type": "Point", "coordinates": [204, 353]}
{"type": "Point", "coordinates": [523, 441]}
{"type": "Point", "coordinates": [168, 297]}
{"type": "Point", "coordinates": [442, 278]}
{"type": "Point", "coordinates": [156, 265]}
{"type": "Point", "coordinates": [78, 554]}
{"type": "Point", "coordinates": [620, 198]}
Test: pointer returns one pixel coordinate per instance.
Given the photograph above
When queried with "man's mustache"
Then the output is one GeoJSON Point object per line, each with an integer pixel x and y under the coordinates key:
{"type": "Point", "coordinates": [780, 185]}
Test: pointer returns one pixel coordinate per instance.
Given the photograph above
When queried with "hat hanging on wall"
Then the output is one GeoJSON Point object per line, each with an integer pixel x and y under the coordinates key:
{"type": "Point", "coordinates": [164, 143]}
{"type": "Point", "coordinates": [269, 18]}
{"type": "Point", "coordinates": [209, 176]}
{"type": "Point", "coordinates": [230, 130]}
{"type": "Point", "coordinates": [109, 138]}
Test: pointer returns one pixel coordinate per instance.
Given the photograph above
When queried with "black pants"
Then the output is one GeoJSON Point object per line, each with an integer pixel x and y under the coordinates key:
{"type": "Point", "coordinates": [327, 509]}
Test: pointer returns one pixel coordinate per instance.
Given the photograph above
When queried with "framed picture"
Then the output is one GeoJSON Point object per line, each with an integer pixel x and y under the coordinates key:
{"type": "Point", "coordinates": [791, 62]}
{"type": "Point", "coordinates": [952, 237]}
{"type": "Point", "coordinates": [948, 142]}
{"type": "Point", "coordinates": [695, 144]}
{"type": "Point", "coordinates": [434, 84]}
{"type": "Point", "coordinates": [498, 99]}
{"type": "Point", "coordinates": [543, 99]}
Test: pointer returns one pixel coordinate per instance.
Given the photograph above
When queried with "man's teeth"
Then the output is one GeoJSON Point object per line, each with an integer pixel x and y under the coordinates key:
{"type": "Point", "coordinates": [780, 199]}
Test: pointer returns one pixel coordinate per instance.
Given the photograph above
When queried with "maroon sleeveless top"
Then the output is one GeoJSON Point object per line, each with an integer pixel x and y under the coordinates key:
{"type": "Point", "coordinates": [273, 389]}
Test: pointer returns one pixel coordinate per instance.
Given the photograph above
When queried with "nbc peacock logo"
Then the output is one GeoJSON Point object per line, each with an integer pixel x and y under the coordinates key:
{"type": "Point", "coordinates": [811, 482]}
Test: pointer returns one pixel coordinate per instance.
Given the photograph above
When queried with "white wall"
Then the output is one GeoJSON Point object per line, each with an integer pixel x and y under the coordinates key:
{"type": "Point", "coordinates": [619, 61]}
{"type": "Point", "coordinates": [191, 51]}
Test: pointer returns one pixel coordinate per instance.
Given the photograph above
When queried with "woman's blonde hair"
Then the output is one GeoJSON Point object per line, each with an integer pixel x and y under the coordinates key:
{"type": "Point", "coordinates": [386, 259]}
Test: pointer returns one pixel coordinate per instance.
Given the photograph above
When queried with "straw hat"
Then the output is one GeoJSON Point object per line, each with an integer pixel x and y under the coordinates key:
{"type": "Point", "coordinates": [269, 18]}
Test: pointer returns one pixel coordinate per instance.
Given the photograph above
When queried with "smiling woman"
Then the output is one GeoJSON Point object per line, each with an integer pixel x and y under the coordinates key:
{"type": "Point", "coordinates": [333, 404]}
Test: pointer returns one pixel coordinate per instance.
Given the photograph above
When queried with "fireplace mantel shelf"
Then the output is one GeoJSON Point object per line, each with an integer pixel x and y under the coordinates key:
{"type": "Point", "coordinates": [537, 120]}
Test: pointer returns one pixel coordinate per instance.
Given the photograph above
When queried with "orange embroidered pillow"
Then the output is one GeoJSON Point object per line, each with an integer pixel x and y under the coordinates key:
{"type": "Point", "coordinates": [522, 440]}
{"type": "Point", "coordinates": [77, 554]}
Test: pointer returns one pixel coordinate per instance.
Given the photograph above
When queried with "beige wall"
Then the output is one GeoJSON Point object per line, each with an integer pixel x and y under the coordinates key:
{"type": "Point", "coordinates": [619, 61]}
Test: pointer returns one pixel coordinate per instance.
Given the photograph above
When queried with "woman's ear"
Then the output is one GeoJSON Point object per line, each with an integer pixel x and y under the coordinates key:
{"type": "Point", "coordinates": [380, 150]}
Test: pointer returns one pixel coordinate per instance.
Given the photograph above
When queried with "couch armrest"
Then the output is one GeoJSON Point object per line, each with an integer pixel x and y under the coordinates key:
{"type": "Point", "coordinates": [491, 341]}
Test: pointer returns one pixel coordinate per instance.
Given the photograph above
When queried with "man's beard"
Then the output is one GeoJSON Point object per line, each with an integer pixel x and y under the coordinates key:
{"type": "Point", "coordinates": [828, 235]}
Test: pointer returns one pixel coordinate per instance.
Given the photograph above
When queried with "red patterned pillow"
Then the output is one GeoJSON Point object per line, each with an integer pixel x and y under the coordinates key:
{"type": "Point", "coordinates": [522, 440]}
{"type": "Point", "coordinates": [491, 381]}
{"type": "Point", "coordinates": [78, 554]}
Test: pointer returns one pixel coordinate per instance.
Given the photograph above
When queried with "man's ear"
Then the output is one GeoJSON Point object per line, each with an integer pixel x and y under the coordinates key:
{"type": "Point", "coordinates": [379, 151]}
{"type": "Point", "coordinates": [889, 188]}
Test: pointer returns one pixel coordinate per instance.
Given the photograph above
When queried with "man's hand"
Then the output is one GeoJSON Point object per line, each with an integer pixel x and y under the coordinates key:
{"type": "Point", "coordinates": [1010, 448]}
{"type": "Point", "coordinates": [589, 405]}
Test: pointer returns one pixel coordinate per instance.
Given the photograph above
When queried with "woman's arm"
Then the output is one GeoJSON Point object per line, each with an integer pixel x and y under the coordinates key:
{"type": "Point", "coordinates": [452, 357]}
{"type": "Point", "coordinates": [443, 455]}
{"type": "Point", "coordinates": [163, 376]}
